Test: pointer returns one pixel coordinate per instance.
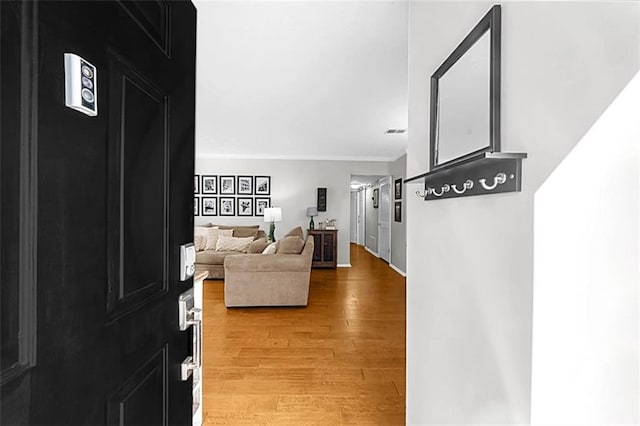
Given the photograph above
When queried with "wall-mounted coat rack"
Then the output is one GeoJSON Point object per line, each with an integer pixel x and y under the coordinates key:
{"type": "Point", "coordinates": [486, 173]}
{"type": "Point", "coordinates": [464, 125]}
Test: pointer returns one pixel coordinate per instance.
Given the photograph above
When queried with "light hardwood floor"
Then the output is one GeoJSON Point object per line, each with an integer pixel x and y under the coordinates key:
{"type": "Point", "coordinates": [340, 360]}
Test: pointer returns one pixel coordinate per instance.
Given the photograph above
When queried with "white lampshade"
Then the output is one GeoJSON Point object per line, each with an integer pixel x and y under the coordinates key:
{"type": "Point", "coordinates": [312, 211]}
{"type": "Point", "coordinates": [272, 214]}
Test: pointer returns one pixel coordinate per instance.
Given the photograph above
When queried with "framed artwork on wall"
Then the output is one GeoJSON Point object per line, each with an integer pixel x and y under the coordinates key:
{"type": "Point", "coordinates": [245, 206]}
{"type": "Point", "coordinates": [196, 206]}
{"type": "Point", "coordinates": [227, 206]}
{"type": "Point", "coordinates": [196, 184]}
{"type": "Point", "coordinates": [398, 189]}
{"type": "Point", "coordinates": [245, 185]}
{"type": "Point", "coordinates": [209, 184]}
{"type": "Point", "coordinates": [263, 185]}
{"type": "Point", "coordinates": [397, 211]}
{"type": "Point", "coordinates": [321, 202]}
{"type": "Point", "coordinates": [261, 204]}
{"type": "Point", "coordinates": [209, 206]}
{"type": "Point", "coordinates": [375, 198]}
{"type": "Point", "coordinates": [227, 186]}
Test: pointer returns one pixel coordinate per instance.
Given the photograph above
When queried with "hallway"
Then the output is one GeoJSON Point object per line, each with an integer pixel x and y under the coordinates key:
{"type": "Point", "coordinates": [340, 360]}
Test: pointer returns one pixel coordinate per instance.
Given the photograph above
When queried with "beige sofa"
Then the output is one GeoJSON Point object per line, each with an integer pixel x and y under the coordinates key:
{"type": "Point", "coordinates": [268, 279]}
{"type": "Point", "coordinates": [212, 261]}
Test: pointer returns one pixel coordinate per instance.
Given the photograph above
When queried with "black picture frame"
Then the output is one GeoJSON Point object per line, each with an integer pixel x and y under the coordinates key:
{"type": "Point", "coordinates": [244, 185]}
{"type": "Point", "coordinates": [375, 198]}
{"type": "Point", "coordinates": [397, 211]}
{"type": "Point", "coordinates": [209, 206]}
{"type": "Point", "coordinates": [227, 206]}
{"type": "Point", "coordinates": [397, 194]}
{"type": "Point", "coordinates": [209, 184]}
{"type": "Point", "coordinates": [260, 204]}
{"type": "Point", "coordinates": [227, 185]}
{"type": "Point", "coordinates": [196, 184]}
{"type": "Point", "coordinates": [244, 206]}
{"type": "Point", "coordinates": [321, 202]}
{"type": "Point", "coordinates": [262, 185]}
{"type": "Point", "coordinates": [196, 206]}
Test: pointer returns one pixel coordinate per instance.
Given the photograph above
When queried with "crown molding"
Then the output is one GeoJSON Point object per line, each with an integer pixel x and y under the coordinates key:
{"type": "Point", "coordinates": [298, 157]}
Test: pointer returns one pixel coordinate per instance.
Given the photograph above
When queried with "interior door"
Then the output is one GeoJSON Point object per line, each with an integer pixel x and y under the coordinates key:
{"type": "Point", "coordinates": [384, 221]}
{"type": "Point", "coordinates": [113, 202]}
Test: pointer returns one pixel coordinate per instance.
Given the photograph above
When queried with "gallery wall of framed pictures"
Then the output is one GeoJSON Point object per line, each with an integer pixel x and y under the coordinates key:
{"type": "Point", "coordinates": [230, 195]}
{"type": "Point", "coordinates": [397, 205]}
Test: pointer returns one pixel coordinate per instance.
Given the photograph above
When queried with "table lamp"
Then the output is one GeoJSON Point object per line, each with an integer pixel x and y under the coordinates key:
{"type": "Point", "coordinates": [311, 212]}
{"type": "Point", "coordinates": [272, 215]}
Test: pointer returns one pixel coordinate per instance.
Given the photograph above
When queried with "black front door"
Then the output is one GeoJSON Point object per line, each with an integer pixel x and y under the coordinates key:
{"type": "Point", "coordinates": [94, 209]}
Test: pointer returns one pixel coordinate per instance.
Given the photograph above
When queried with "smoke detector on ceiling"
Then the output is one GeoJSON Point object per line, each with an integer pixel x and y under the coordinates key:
{"type": "Point", "coordinates": [394, 131]}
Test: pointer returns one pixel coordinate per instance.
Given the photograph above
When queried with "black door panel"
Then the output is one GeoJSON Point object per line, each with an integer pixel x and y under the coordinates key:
{"type": "Point", "coordinates": [113, 203]}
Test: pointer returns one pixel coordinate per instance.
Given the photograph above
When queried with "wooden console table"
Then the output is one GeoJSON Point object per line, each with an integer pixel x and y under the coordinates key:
{"type": "Point", "coordinates": [325, 251]}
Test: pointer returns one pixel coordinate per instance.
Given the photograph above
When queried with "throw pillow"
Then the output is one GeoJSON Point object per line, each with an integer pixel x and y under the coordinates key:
{"type": "Point", "coordinates": [295, 232]}
{"type": "Point", "coordinates": [258, 245]}
{"type": "Point", "coordinates": [271, 249]}
{"type": "Point", "coordinates": [236, 226]}
{"type": "Point", "coordinates": [200, 237]}
{"type": "Point", "coordinates": [291, 245]}
{"type": "Point", "coordinates": [228, 243]}
{"type": "Point", "coordinates": [245, 232]}
{"type": "Point", "coordinates": [212, 237]}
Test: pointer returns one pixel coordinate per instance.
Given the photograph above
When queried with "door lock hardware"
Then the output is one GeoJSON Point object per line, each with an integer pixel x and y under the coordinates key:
{"type": "Point", "coordinates": [188, 314]}
{"type": "Point", "coordinates": [187, 368]}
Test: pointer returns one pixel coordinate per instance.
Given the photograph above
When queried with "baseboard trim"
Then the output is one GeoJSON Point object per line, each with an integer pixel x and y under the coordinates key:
{"type": "Point", "coordinates": [344, 265]}
{"type": "Point", "coordinates": [371, 251]}
{"type": "Point", "coordinates": [398, 270]}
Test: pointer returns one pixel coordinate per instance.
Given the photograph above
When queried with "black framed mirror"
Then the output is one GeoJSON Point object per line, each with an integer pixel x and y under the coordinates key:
{"type": "Point", "coordinates": [465, 97]}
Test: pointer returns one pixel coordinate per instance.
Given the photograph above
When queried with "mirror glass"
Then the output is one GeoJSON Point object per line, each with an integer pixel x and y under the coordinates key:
{"type": "Point", "coordinates": [464, 104]}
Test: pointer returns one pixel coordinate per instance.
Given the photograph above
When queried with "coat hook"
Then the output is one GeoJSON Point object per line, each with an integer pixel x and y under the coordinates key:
{"type": "Point", "coordinates": [421, 195]}
{"type": "Point", "coordinates": [445, 188]}
{"type": "Point", "coordinates": [468, 184]}
{"type": "Point", "coordinates": [499, 179]}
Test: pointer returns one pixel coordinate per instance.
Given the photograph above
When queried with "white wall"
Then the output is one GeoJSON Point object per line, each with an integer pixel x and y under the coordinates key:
{"type": "Point", "coordinates": [293, 188]}
{"type": "Point", "coordinates": [585, 306]}
{"type": "Point", "coordinates": [353, 199]}
{"type": "Point", "coordinates": [470, 260]}
{"type": "Point", "coordinates": [398, 170]}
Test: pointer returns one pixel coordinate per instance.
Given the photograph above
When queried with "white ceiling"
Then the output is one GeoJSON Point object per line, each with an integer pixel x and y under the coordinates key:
{"type": "Point", "coordinates": [301, 79]}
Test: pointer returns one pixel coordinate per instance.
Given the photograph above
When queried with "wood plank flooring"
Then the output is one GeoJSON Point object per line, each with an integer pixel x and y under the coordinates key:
{"type": "Point", "coordinates": [340, 360]}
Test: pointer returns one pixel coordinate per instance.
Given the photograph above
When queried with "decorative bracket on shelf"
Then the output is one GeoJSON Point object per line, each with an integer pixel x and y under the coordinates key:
{"type": "Point", "coordinates": [485, 173]}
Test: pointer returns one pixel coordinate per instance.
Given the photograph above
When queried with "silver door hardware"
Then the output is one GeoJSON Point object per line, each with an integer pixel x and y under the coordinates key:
{"type": "Point", "coordinates": [187, 261]}
{"type": "Point", "coordinates": [187, 367]}
{"type": "Point", "coordinates": [190, 316]}
{"type": "Point", "coordinates": [81, 85]}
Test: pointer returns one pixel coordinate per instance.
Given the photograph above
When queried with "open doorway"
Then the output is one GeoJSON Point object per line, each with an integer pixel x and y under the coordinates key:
{"type": "Point", "coordinates": [371, 213]}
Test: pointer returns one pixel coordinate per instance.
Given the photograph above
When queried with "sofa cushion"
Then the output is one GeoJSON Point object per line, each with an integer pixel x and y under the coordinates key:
{"type": "Point", "coordinates": [212, 257]}
{"type": "Point", "coordinates": [212, 236]}
{"type": "Point", "coordinates": [295, 232]}
{"type": "Point", "coordinates": [290, 245]}
{"type": "Point", "coordinates": [270, 249]}
{"type": "Point", "coordinates": [258, 246]}
{"type": "Point", "coordinates": [226, 243]}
